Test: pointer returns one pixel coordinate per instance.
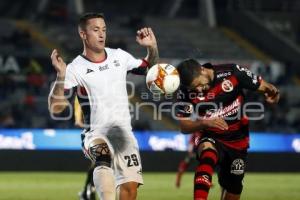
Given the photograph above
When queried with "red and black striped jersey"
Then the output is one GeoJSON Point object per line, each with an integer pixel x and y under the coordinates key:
{"type": "Point", "coordinates": [224, 99]}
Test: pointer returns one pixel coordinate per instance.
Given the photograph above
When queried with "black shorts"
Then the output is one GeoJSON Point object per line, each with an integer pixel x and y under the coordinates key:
{"type": "Point", "coordinates": [230, 167]}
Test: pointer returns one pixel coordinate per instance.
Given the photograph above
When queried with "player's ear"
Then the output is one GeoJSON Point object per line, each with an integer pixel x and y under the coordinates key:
{"type": "Point", "coordinates": [82, 34]}
{"type": "Point", "coordinates": [202, 69]}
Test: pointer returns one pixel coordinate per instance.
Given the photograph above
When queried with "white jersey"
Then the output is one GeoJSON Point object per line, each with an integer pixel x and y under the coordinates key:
{"type": "Point", "coordinates": [103, 94]}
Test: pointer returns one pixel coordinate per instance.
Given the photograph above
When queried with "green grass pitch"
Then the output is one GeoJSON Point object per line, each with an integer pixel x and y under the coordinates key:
{"type": "Point", "coordinates": [158, 186]}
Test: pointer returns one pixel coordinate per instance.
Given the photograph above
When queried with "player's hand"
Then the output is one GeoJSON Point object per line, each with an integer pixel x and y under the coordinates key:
{"type": "Point", "coordinates": [272, 98]}
{"type": "Point", "coordinates": [272, 94]}
{"type": "Point", "coordinates": [58, 63]}
{"type": "Point", "coordinates": [215, 123]}
{"type": "Point", "coordinates": [145, 37]}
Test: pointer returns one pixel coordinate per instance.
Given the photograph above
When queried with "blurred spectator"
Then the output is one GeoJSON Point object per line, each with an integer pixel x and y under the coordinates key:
{"type": "Point", "coordinates": [56, 12]}
{"type": "Point", "coordinates": [21, 39]}
{"type": "Point", "coordinates": [135, 22]}
{"type": "Point", "coordinates": [6, 119]}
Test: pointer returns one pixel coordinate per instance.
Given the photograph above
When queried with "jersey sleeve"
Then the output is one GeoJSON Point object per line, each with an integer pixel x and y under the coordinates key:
{"type": "Point", "coordinates": [70, 84]}
{"type": "Point", "coordinates": [134, 65]}
{"type": "Point", "coordinates": [246, 78]}
{"type": "Point", "coordinates": [183, 108]}
{"type": "Point", "coordinates": [70, 79]}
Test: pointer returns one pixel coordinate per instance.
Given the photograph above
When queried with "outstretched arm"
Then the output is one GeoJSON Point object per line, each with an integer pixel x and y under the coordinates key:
{"type": "Point", "coordinates": [271, 93]}
{"type": "Point", "coordinates": [145, 37]}
{"type": "Point", "coordinates": [57, 101]}
{"type": "Point", "coordinates": [251, 81]}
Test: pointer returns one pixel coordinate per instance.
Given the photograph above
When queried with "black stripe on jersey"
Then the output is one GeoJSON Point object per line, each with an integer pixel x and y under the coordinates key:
{"type": "Point", "coordinates": [142, 69]}
{"type": "Point", "coordinates": [70, 94]}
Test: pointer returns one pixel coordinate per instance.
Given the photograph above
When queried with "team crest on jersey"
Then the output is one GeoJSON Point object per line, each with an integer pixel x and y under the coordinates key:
{"type": "Point", "coordinates": [227, 86]}
{"type": "Point", "coordinates": [237, 167]}
{"type": "Point", "coordinates": [116, 63]}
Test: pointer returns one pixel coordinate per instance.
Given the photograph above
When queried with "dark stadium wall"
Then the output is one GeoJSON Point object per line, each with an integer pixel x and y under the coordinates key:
{"type": "Point", "coordinates": [17, 160]}
{"type": "Point", "coordinates": [256, 32]}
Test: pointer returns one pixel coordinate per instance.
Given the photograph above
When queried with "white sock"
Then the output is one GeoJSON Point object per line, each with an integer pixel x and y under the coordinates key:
{"type": "Point", "coordinates": [104, 181]}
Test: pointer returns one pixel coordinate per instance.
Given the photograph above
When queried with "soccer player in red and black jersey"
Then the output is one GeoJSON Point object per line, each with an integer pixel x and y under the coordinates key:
{"type": "Point", "coordinates": [214, 94]}
{"type": "Point", "coordinates": [190, 156]}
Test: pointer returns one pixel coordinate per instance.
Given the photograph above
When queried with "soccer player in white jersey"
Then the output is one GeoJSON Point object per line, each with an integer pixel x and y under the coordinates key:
{"type": "Point", "coordinates": [99, 76]}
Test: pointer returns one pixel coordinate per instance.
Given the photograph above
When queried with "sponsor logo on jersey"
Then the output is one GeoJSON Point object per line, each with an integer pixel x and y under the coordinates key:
{"type": "Point", "coordinates": [224, 112]}
{"type": "Point", "coordinates": [102, 68]}
{"type": "Point", "coordinates": [89, 70]}
{"type": "Point", "coordinates": [225, 74]}
{"type": "Point", "coordinates": [210, 112]}
{"type": "Point", "coordinates": [227, 86]}
{"type": "Point", "coordinates": [237, 167]}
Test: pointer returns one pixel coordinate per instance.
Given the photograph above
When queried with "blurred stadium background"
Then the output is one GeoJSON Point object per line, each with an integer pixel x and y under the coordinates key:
{"type": "Point", "coordinates": [263, 35]}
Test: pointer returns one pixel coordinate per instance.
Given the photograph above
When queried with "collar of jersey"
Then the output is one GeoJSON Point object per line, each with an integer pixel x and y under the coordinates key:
{"type": "Point", "coordinates": [98, 62]}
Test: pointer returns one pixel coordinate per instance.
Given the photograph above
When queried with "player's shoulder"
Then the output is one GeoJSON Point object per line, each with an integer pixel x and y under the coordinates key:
{"type": "Point", "coordinates": [224, 67]}
{"type": "Point", "coordinates": [77, 61]}
{"type": "Point", "coordinates": [224, 70]}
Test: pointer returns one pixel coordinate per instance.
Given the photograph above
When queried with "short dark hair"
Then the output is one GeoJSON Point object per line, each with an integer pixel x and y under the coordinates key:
{"type": "Point", "coordinates": [85, 17]}
{"type": "Point", "coordinates": [188, 70]}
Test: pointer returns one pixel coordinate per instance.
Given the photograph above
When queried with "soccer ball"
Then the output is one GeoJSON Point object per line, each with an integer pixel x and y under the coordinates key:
{"type": "Point", "coordinates": [162, 78]}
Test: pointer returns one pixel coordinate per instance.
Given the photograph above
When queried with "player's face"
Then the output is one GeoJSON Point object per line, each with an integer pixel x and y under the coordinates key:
{"type": "Point", "coordinates": [202, 82]}
{"type": "Point", "coordinates": [95, 34]}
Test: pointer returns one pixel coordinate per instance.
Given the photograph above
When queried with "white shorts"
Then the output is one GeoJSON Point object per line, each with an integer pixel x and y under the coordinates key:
{"type": "Point", "coordinates": [124, 150]}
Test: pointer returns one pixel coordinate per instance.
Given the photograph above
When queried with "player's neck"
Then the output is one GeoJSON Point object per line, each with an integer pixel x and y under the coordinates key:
{"type": "Point", "coordinates": [94, 56]}
{"type": "Point", "coordinates": [211, 74]}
